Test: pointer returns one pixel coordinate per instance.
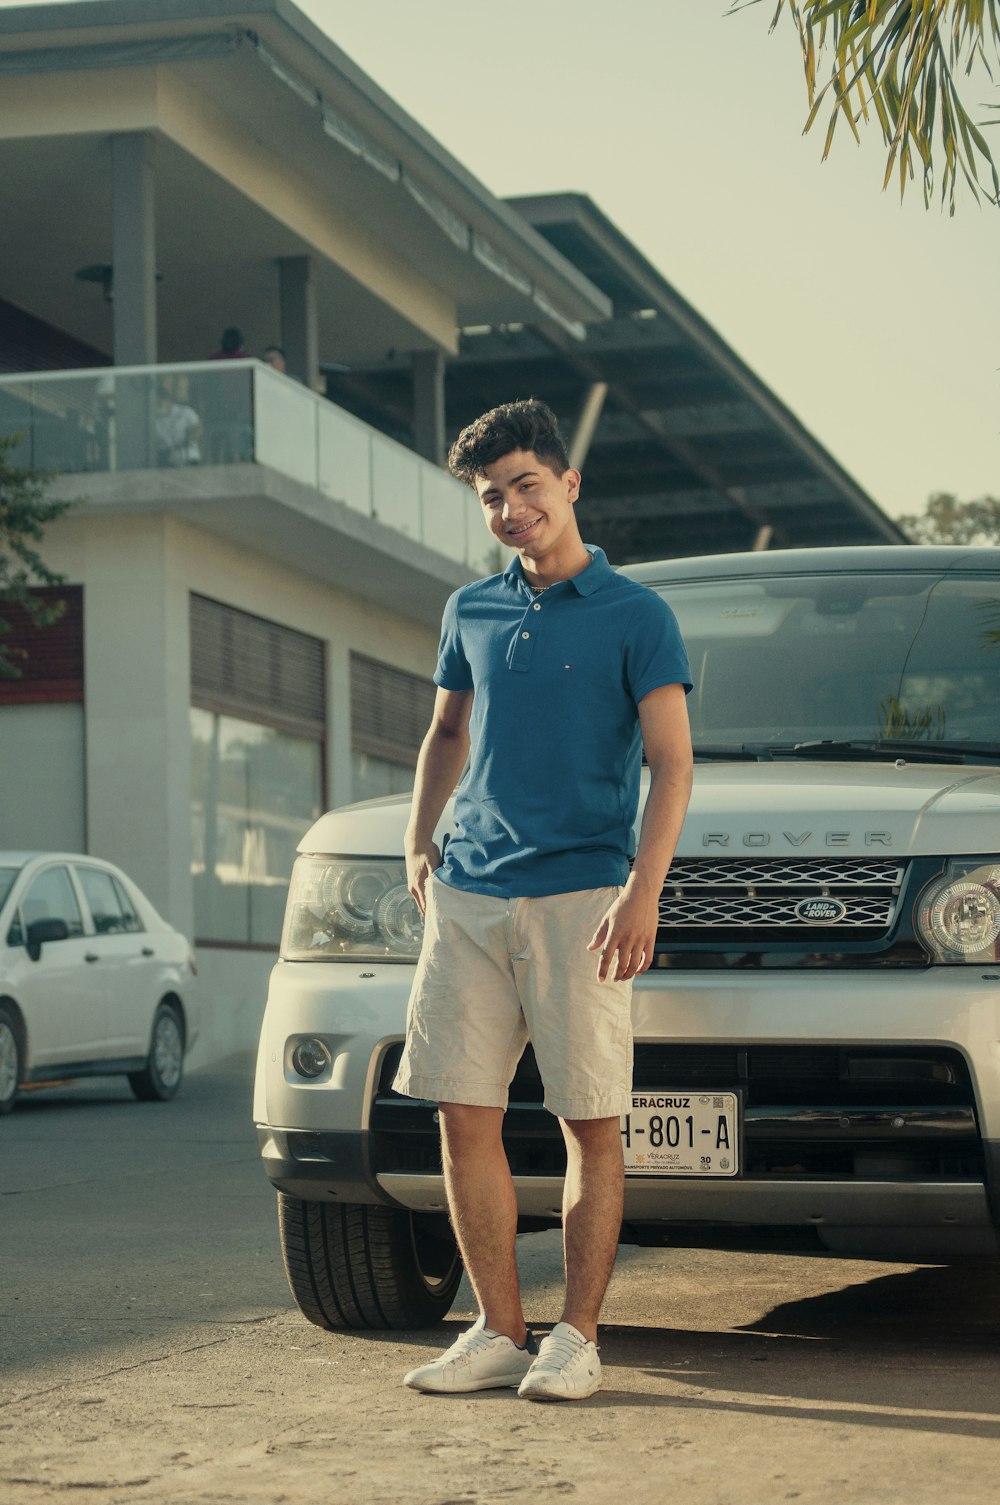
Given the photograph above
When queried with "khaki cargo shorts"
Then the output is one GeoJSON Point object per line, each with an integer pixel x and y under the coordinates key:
{"type": "Point", "coordinates": [496, 973]}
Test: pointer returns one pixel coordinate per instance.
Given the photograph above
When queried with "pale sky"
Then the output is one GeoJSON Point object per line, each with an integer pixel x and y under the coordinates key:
{"type": "Point", "coordinates": [878, 325]}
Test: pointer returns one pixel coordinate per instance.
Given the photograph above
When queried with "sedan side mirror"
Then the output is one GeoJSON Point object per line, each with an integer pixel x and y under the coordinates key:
{"type": "Point", "coordinates": [40, 931]}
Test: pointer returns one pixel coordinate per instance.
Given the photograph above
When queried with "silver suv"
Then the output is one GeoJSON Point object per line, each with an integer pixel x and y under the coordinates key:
{"type": "Point", "coordinates": [817, 1056]}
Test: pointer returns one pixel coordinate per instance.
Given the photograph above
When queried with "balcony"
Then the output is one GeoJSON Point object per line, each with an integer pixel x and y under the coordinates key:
{"type": "Point", "coordinates": [207, 422]}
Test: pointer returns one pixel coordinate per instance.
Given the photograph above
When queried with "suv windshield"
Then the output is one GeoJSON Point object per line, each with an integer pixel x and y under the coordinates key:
{"type": "Point", "coordinates": [905, 658]}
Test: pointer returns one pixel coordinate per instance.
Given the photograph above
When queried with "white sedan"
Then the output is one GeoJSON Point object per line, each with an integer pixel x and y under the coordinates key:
{"type": "Point", "coordinates": [92, 981]}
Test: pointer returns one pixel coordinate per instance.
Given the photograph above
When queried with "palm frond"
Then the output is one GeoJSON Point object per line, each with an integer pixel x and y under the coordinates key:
{"type": "Point", "coordinates": [900, 59]}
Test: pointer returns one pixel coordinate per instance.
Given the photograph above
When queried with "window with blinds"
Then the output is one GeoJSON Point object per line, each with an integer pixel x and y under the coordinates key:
{"type": "Point", "coordinates": [390, 714]}
{"type": "Point", "coordinates": [256, 668]}
{"type": "Point", "coordinates": [390, 710]}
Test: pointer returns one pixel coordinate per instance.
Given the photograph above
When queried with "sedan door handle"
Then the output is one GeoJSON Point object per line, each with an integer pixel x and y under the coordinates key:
{"type": "Point", "coordinates": [148, 951]}
{"type": "Point", "coordinates": [91, 956]}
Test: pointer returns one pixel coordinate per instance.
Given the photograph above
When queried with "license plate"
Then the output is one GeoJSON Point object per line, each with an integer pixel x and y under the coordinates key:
{"type": "Point", "coordinates": [670, 1133]}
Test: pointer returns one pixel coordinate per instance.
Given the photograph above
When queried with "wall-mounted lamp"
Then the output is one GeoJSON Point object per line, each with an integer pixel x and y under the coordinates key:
{"type": "Point", "coordinates": [103, 273]}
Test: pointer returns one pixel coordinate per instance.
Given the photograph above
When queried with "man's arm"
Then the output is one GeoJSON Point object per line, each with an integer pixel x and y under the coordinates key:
{"type": "Point", "coordinates": [629, 927]}
{"type": "Point", "coordinates": [442, 757]}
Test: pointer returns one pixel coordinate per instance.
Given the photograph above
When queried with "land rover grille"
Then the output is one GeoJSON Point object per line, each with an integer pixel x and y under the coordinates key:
{"type": "Point", "coordinates": [780, 895]}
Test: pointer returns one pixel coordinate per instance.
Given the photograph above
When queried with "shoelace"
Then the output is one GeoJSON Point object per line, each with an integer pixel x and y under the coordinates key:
{"type": "Point", "coordinates": [556, 1352]}
{"type": "Point", "coordinates": [464, 1347]}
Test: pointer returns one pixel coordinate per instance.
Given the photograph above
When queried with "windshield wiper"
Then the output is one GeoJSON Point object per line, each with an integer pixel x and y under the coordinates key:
{"type": "Point", "coordinates": [726, 751]}
{"type": "Point", "coordinates": [912, 751]}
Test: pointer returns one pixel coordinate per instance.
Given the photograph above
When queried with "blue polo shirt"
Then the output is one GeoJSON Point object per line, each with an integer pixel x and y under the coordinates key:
{"type": "Point", "coordinates": [550, 795]}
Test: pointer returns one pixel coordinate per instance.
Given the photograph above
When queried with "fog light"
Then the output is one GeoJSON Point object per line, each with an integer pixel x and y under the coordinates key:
{"type": "Point", "coordinates": [310, 1058]}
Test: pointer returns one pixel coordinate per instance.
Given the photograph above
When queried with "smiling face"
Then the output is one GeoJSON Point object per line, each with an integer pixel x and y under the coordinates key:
{"type": "Point", "coordinates": [530, 509]}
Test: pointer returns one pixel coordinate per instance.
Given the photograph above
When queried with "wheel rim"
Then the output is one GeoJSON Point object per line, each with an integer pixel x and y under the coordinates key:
{"type": "Point", "coordinates": [8, 1062]}
{"type": "Point", "coordinates": [168, 1050]}
{"type": "Point", "coordinates": [435, 1253]}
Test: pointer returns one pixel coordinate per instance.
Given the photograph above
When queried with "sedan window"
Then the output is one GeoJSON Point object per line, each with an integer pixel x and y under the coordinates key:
{"type": "Point", "coordinates": [102, 896]}
{"type": "Point", "coordinates": [131, 920]}
{"type": "Point", "coordinates": [7, 876]}
{"type": "Point", "coordinates": [50, 897]}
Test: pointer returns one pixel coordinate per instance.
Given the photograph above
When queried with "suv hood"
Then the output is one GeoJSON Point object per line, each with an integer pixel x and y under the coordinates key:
{"type": "Point", "coordinates": [810, 808]}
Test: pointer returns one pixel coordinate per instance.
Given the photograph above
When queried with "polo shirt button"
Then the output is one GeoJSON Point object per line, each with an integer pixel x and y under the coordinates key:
{"type": "Point", "coordinates": [538, 606]}
{"type": "Point", "coordinates": [526, 634]}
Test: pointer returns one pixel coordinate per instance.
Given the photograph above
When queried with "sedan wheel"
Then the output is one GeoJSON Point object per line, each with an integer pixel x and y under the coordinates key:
{"type": "Point", "coordinates": [161, 1078]}
{"type": "Point", "coordinates": [11, 1063]}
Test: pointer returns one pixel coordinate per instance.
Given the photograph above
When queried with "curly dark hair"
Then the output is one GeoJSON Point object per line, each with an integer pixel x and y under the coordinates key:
{"type": "Point", "coordinates": [526, 424]}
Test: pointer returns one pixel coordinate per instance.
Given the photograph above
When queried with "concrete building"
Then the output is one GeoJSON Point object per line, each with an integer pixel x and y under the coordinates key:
{"type": "Point", "coordinates": [254, 574]}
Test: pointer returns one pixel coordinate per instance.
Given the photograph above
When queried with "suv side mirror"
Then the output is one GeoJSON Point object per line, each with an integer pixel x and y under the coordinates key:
{"type": "Point", "coordinates": [40, 931]}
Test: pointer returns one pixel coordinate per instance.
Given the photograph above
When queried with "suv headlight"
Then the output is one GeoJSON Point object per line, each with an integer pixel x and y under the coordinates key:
{"type": "Point", "coordinates": [351, 909]}
{"type": "Point", "coordinates": [958, 915]}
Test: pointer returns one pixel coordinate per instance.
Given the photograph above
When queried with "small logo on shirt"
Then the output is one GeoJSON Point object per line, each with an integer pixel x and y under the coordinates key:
{"type": "Point", "coordinates": [567, 666]}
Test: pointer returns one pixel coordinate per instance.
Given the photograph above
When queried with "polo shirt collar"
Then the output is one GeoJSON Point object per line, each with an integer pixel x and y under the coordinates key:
{"type": "Point", "coordinates": [597, 573]}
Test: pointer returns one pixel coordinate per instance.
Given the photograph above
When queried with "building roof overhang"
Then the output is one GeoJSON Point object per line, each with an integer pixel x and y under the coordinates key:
{"type": "Point", "coordinates": [270, 142]}
{"type": "Point", "coordinates": [691, 453]}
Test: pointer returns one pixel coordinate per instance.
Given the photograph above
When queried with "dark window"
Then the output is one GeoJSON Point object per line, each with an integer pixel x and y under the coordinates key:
{"type": "Point", "coordinates": [49, 659]}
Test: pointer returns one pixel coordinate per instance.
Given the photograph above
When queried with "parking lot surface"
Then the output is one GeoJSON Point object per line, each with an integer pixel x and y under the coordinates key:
{"type": "Point", "coordinates": [150, 1351]}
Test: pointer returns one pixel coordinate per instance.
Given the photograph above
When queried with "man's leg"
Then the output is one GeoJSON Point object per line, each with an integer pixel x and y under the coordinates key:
{"type": "Point", "coordinates": [568, 1366]}
{"type": "Point", "coordinates": [592, 1214]}
{"type": "Point", "coordinates": [484, 1211]}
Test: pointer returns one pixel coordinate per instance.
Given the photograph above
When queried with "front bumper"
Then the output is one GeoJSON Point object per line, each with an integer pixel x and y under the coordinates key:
{"type": "Point", "coordinates": [907, 1167]}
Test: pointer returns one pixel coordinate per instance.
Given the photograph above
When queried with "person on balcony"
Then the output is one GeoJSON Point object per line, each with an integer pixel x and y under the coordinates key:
{"type": "Point", "coordinates": [230, 345]}
{"type": "Point", "coordinates": [228, 404]}
{"type": "Point", "coordinates": [178, 430]}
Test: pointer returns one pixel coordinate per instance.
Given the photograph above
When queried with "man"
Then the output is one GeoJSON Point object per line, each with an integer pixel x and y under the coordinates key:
{"type": "Point", "coordinates": [534, 925]}
{"type": "Point", "coordinates": [230, 345]}
{"type": "Point", "coordinates": [178, 430]}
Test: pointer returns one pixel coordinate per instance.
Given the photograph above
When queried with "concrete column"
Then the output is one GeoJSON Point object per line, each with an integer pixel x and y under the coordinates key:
{"type": "Point", "coordinates": [133, 242]}
{"type": "Point", "coordinates": [138, 736]}
{"type": "Point", "coordinates": [428, 405]}
{"type": "Point", "coordinates": [297, 312]}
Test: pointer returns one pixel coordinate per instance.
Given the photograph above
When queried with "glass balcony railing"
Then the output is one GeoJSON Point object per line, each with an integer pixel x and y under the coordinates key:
{"type": "Point", "coordinates": [127, 418]}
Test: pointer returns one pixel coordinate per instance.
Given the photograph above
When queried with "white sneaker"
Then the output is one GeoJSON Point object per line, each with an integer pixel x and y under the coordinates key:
{"type": "Point", "coordinates": [479, 1359]}
{"type": "Point", "coordinates": [567, 1367]}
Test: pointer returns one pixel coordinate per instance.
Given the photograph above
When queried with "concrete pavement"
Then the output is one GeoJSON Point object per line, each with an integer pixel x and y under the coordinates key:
{"type": "Point", "coordinates": [150, 1351]}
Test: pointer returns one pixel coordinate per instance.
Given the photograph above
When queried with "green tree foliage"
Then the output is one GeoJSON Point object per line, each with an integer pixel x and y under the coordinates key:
{"type": "Point", "coordinates": [24, 513]}
{"type": "Point", "coordinates": [899, 60]}
{"type": "Point", "coordinates": [947, 520]}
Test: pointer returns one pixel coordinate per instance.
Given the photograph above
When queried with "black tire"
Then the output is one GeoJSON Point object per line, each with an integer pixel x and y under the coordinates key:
{"type": "Point", "coordinates": [352, 1266]}
{"type": "Point", "coordinates": [161, 1077]}
{"type": "Point", "coordinates": [11, 1057]}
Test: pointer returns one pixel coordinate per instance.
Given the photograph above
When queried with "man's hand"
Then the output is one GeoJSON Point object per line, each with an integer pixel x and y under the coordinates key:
{"type": "Point", "coordinates": [626, 935]}
{"type": "Point", "coordinates": [442, 754]}
{"type": "Point", "coordinates": [420, 863]}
